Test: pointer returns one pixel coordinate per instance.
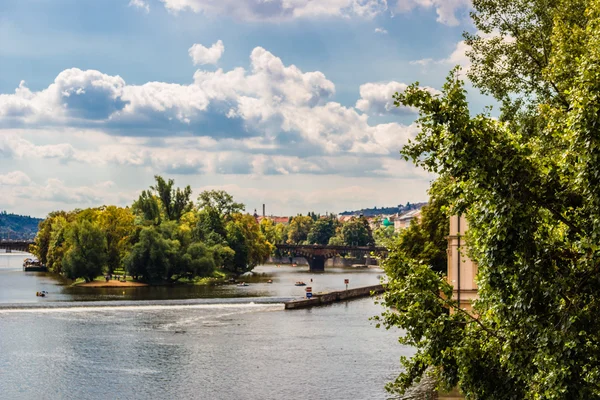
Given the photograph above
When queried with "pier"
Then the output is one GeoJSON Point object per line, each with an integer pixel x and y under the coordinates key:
{"type": "Point", "coordinates": [321, 299]}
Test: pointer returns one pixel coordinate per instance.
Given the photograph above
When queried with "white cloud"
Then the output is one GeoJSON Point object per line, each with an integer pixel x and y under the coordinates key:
{"type": "Point", "coordinates": [14, 178]}
{"type": "Point", "coordinates": [445, 9]}
{"type": "Point", "coordinates": [381, 30]}
{"type": "Point", "coordinates": [278, 10]}
{"type": "Point", "coordinates": [270, 119]}
{"type": "Point", "coordinates": [141, 4]}
{"type": "Point", "coordinates": [202, 55]}
{"type": "Point", "coordinates": [377, 98]}
{"type": "Point", "coordinates": [458, 56]}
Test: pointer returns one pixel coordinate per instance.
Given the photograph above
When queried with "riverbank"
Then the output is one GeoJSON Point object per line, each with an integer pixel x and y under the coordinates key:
{"type": "Point", "coordinates": [110, 284]}
{"type": "Point", "coordinates": [321, 299]}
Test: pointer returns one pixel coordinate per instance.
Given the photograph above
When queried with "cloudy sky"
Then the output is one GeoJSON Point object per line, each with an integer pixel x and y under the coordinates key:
{"type": "Point", "coordinates": [283, 102]}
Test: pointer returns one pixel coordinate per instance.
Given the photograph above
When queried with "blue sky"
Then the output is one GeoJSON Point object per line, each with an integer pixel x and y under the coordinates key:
{"type": "Point", "coordinates": [283, 102]}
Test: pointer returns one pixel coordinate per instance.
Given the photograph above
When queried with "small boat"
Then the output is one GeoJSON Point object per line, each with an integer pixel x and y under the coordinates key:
{"type": "Point", "coordinates": [270, 281]}
{"type": "Point", "coordinates": [40, 294]}
{"type": "Point", "coordinates": [243, 284]}
{"type": "Point", "coordinates": [300, 283]}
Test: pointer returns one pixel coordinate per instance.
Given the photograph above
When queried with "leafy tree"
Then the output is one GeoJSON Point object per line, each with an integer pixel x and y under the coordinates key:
{"type": "Point", "coordinates": [118, 226]}
{"type": "Point", "coordinates": [299, 228]}
{"type": "Point", "coordinates": [250, 246]}
{"type": "Point", "coordinates": [425, 240]}
{"type": "Point", "coordinates": [148, 206]}
{"type": "Point", "coordinates": [528, 184]}
{"type": "Point", "coordinates": [384, 235]}
{"type": "Point", "coordinates": [210, 227]}
{"type": "Point", "coordinates": [86, 254]}
{"type": "Point", "coordinates": [57, 246]}
{"type": "Point", "coordinates": [220, 201]}
{"type": "Point", "coordinates": [153, 257]}
{"type": "Point", "coordinates": [336, 240]}
{"type": "Point", "coordinates": [199, 260]}
{"type": "Point", "coordinates": [175, 202]}
{"type": "Point", "coordinates": [321, 231]}
{"type": "Point", "coordinates": [356, 232]}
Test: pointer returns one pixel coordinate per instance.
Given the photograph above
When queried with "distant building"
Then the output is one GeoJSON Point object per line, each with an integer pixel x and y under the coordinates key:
{"type": "Point", "coordinates": [403, 221]}
{"type": "Point", "coordinates": [461, 269]}
{"type": "Point", "coordinates": [276, 220]}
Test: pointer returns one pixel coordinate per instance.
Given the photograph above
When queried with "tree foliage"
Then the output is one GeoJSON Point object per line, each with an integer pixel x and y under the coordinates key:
{"type": "Point", "coordinates": [299, 228]}
{"type": "Point", "coordinates": [322, 230]}
{"type": "Point", "coordinates": [529, 185]}
{"type": "Point", "coordinates": [357, 232]}
{"type": "Point", "coordinates": [86, 255]}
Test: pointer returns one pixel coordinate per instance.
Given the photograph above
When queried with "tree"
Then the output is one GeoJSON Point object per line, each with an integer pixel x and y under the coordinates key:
{"type": "Point", "coordinates": [86, 254]}
{"type": "Point", "coordinates": [299, 228]}
{"type": "Point", "coordinates": [220, 201]}
{"type": "Point", "coordinates": [175, 202]}
{"type": "Point", "coordinates": [118, 225]}
{"type": "Point", "coordinates": [356, 232]}
{"type": "Point", "coordinates": [321, 231]}
{"type": "Point", "coordinates": [147, 206]}
{"type": "Point", "coordinates": [57, 246]}
{"type": "Point", "coordinates": [153, 257]}
{"type": "Point", "coordinates": [528, 184]}
{"type": "Point", "coordinates": [425, 240]}
{"type": "Point", "coordinates": [250, 246]}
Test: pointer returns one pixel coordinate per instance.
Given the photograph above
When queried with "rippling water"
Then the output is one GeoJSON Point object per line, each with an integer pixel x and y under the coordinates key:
{"type": "Point", "coordinates": [194, 349]}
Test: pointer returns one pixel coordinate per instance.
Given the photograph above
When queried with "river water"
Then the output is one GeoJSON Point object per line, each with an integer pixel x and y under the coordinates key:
{"type": "Point", "coordinates": [223, 342]}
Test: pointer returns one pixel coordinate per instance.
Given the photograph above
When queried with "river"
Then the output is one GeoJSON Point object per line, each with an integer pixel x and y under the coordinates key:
{"type": "Point", "coordinates": [223, 342]}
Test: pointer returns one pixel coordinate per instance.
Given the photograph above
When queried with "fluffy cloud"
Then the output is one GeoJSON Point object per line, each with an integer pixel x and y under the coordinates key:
{"type": "Point", "coordinates": [445, 9]}
{"type": "Point", "coordinates": [458, 56]}
{"type": "Point", "coordinates": [381, 30]}
{"type": "Point", "coordinates": [278, 105]}
{"type": "Point", "coordinates": [14, 178]}
{"type": "Point", "coordinates": [206, 55]}
{"type": "Point", "coordinates": [141, 4]}
{"type": "Point", "coordinates": [278, 10]}
{"type": "Point", "coordinates": [377, 98]}
{"type": "Point", "coordinates": [270, 119]}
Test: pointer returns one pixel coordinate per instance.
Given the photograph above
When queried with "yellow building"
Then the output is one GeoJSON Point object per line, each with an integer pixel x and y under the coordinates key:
{"type": "Point", "coordinates": [461, 269]}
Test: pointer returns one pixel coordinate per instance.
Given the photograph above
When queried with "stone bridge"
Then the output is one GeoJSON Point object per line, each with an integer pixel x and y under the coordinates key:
{"type": "Point", "coordinates": [316, 254]}
{"type": "Point", "coordinates": [15, 245]}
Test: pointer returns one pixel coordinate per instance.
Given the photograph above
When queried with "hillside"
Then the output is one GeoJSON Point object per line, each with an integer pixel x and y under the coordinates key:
{"type": "Point", "coordinates": [368, 212]}
{"type": "Point", "coordinates": [13, 226]}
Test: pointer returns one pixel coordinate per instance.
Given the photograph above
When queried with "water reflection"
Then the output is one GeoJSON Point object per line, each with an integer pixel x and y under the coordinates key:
{"type": "Point", "coordinates": [17, 286]}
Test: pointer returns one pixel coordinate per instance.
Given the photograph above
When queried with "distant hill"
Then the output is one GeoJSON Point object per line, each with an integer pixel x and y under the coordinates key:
{"type": "Point", "coordinates": [369, 212]}
{"type": "Point", "coordinates": [13, 226]}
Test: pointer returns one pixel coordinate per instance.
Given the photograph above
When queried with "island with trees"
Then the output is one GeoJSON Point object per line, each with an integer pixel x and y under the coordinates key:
{"type": "Point", "coordinates": [165, 237]}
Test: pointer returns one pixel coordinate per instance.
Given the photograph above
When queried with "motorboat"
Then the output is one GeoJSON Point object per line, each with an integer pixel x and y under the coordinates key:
{"type": "Point", "coordinates": [270, 281]}
{"type": "Point", "coordinates": [300, 283]}
{"type": "Point", "coordinates": [243, 284]}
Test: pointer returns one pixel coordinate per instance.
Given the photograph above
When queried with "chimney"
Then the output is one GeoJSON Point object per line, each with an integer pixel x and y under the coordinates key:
{"type": "Point", "coordinates": [264, 211]}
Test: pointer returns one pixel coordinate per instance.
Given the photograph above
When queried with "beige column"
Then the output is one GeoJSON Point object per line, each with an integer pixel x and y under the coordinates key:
{"type": "Point", "coordinates": [461, 269]}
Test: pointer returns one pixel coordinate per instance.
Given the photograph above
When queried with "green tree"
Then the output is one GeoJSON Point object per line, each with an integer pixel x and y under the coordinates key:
{"type": "Point", "coordinates": [220, 201]}
{"type": "Point", "coordinates": [356, 232]}
{"type": "Point", "coordinates": [175, 202]}
{"type": "Point", "coordinates": [118, 226]}
{"type": "Point", "coordinates": [299, 228]}
{"type": "Point", "coordinates": [148, 207]}
{"type": "Point", "coordinates": [153, 257]}
{"type": "Point", "coordinates": [321, 231]}
{"type": "Point", "coordinates": [57, 246]}
{"type": "Point", "coordinates": [528, 184]}
{"type": "Point", "coordinates": [86, 254]}
{"type": "Point", "coordinates": [250, 245]}
{"type": "Point", "coordinates": [425, 240]}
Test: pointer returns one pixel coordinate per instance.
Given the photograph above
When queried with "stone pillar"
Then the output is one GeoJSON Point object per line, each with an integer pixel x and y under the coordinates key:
{"type": "Point", "coordinates": [462, 271]}
{"type": "Point", "coordinates": [316, 263]}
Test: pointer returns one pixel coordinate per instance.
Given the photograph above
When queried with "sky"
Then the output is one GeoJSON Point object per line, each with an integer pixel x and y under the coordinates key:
{"type": "Point", "coordinates": [282, 102]}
